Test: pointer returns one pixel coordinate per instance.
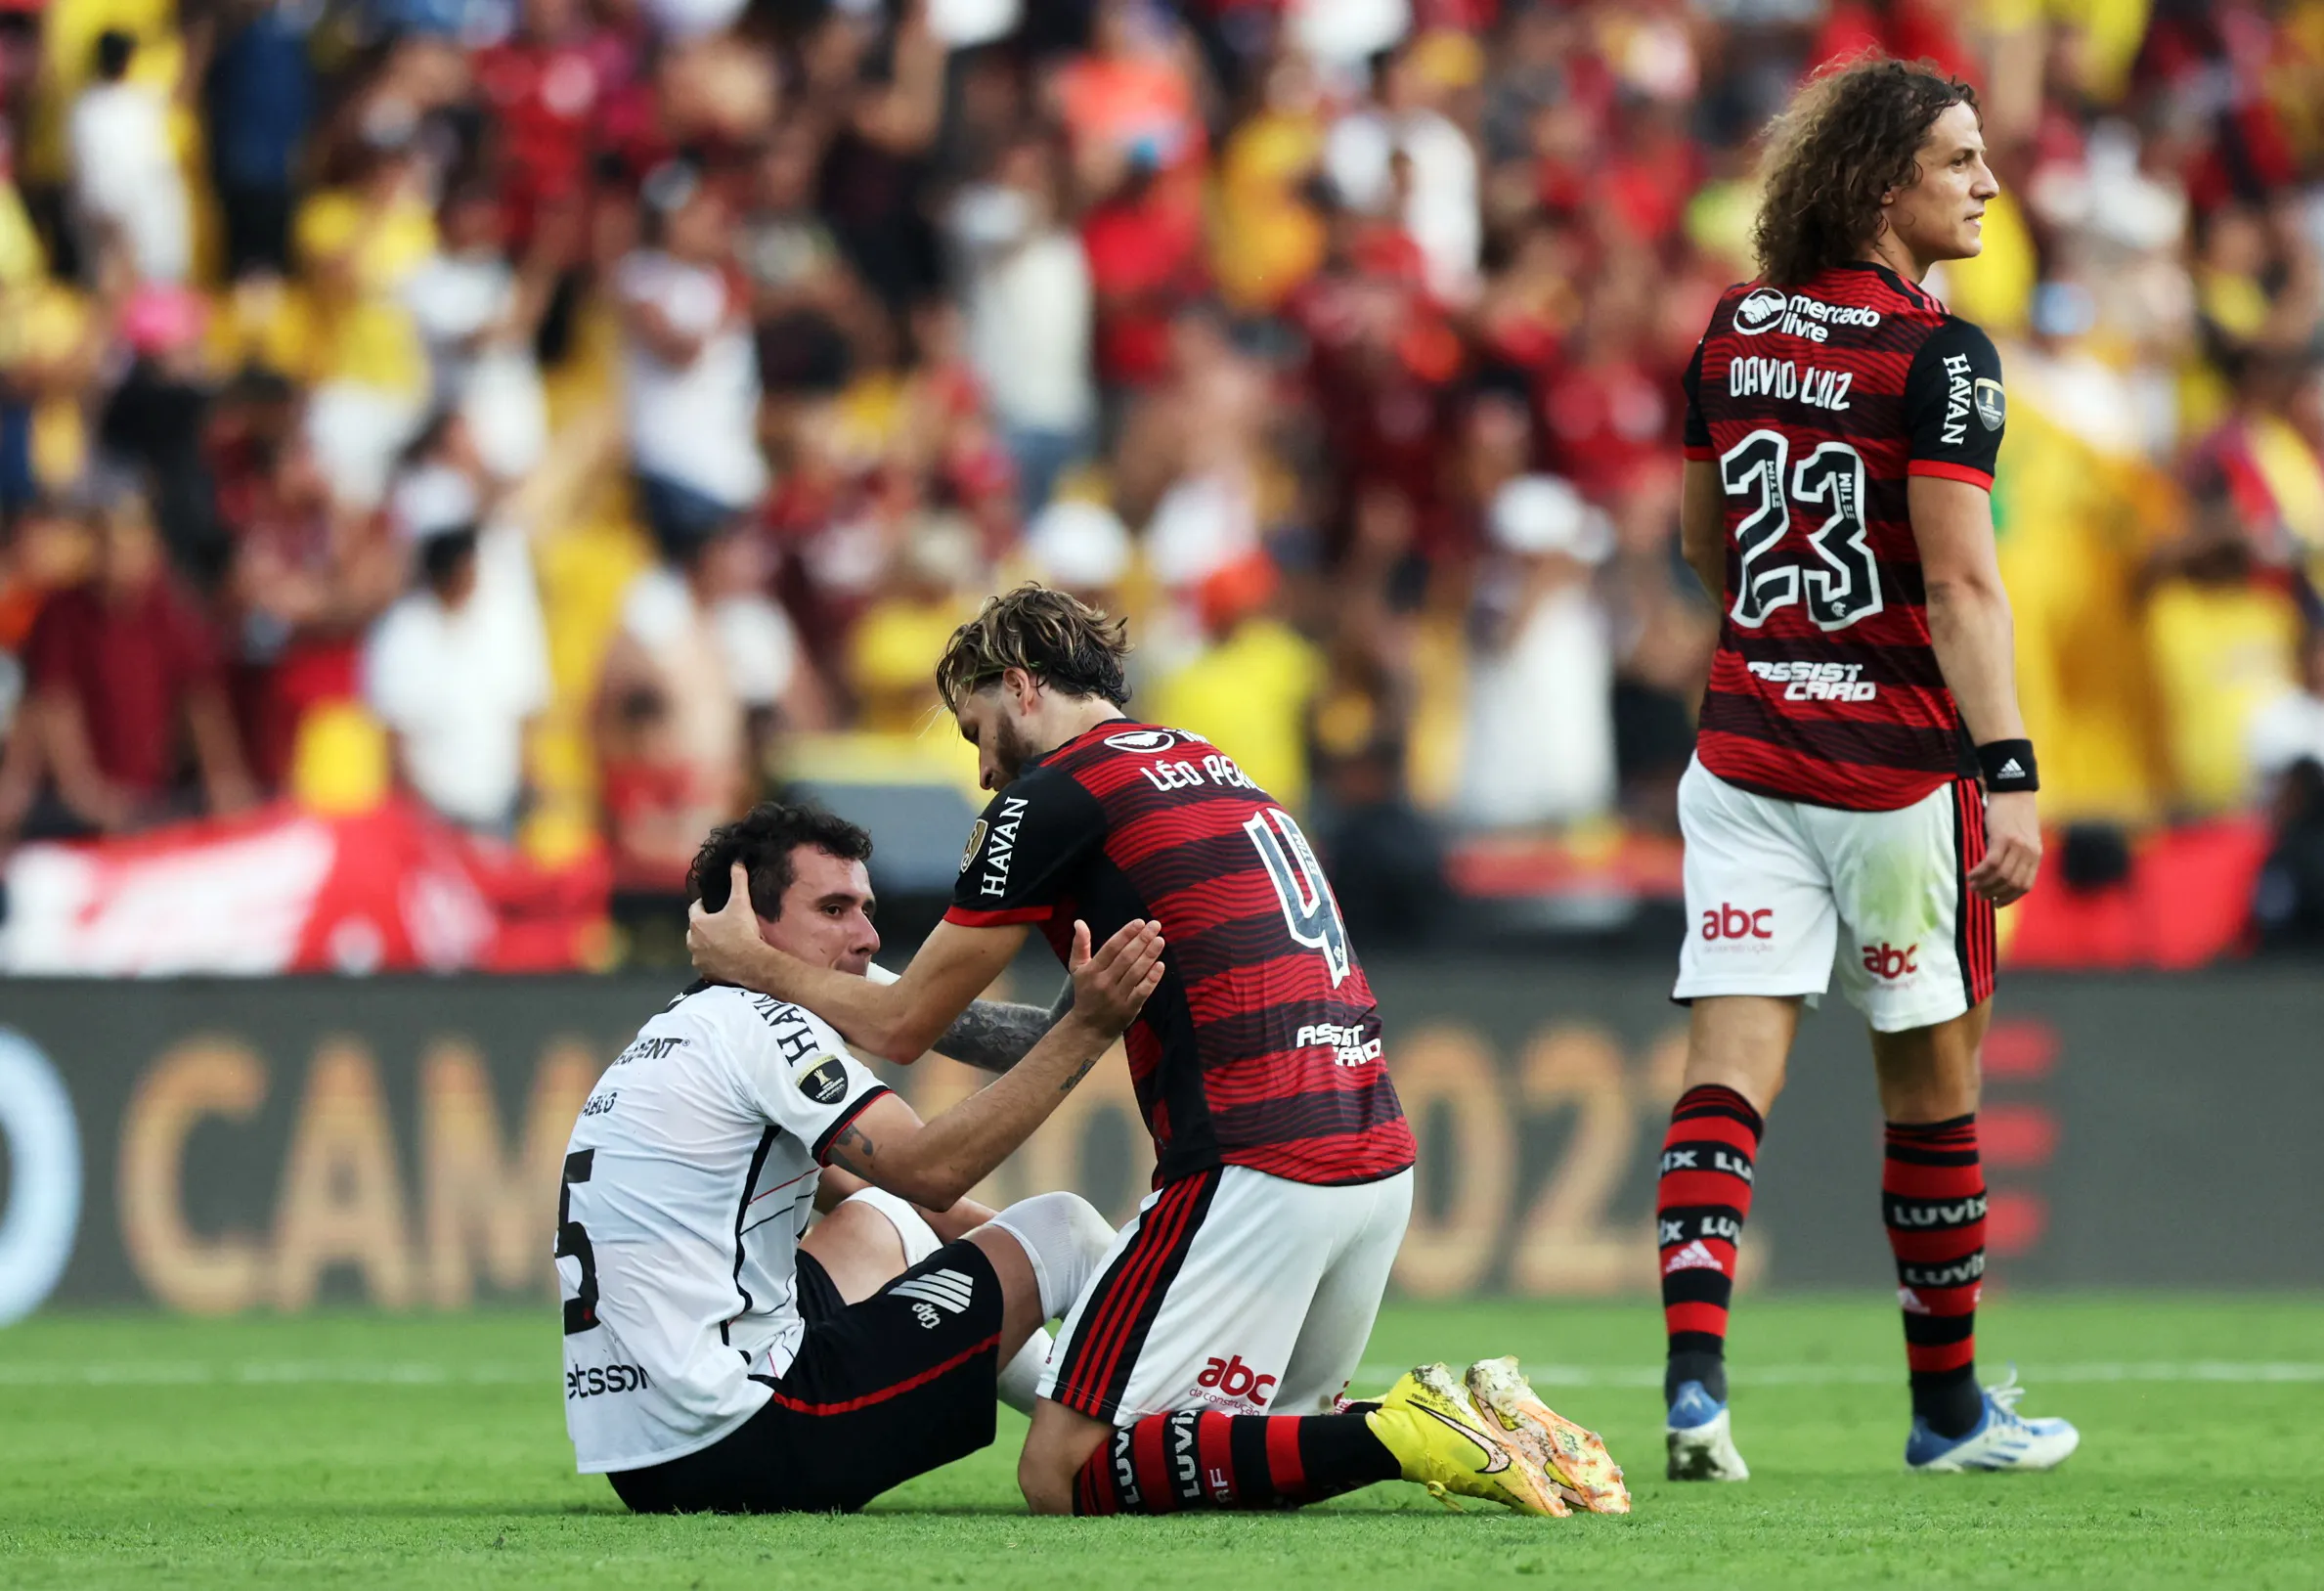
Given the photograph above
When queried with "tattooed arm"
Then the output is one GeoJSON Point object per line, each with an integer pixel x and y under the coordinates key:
{"type": "Point", "coordinates": [933, 1163]}
{"type": "Point", "coordinates": [993, 1036]}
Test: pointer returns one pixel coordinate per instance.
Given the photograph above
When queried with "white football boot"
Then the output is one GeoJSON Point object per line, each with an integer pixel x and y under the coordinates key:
{"type": "Point", "coordinates": [2004, 1439]}
{"type": "Point", "coordinates": [1695, 1432]}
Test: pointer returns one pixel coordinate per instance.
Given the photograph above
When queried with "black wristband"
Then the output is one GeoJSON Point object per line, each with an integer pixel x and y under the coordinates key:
{"type": "Point", "coordinates": [2008, 765]}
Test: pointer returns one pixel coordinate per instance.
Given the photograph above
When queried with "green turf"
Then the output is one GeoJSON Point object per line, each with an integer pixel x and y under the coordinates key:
{"type": "Point", "coordinates": [138, 1451]}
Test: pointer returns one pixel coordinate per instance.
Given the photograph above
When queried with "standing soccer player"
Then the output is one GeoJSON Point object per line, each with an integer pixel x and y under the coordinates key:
{"type": "Point", "coordinates": [1203, 1365]}
{"type": "Point", "coordinates": [1841, 432]}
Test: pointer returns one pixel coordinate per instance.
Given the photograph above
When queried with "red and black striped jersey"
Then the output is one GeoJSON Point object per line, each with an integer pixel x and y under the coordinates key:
{"type": "Point", "coordinates": [1262, 1046]}
{"type": "Point", "coordinates": [1817, 405]}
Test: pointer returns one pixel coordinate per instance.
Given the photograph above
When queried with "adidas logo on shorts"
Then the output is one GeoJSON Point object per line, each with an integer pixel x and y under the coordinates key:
{"type": "Point", "coordinates": [947, 1289]}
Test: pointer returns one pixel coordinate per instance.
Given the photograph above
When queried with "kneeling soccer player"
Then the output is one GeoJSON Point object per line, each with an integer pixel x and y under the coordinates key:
{"type": "Point", "coordinates": [1203, 1366]}
{"type": "Point", "coordinates": [713, 1361]}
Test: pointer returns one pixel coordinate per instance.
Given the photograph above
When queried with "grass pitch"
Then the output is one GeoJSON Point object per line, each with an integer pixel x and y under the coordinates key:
{"type": "Point", "coordinates": [360, 1450]}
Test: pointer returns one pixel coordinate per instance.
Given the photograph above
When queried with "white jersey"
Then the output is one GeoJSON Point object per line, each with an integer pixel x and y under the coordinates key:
{"type": "Point", "coordinates": [689, 1179]}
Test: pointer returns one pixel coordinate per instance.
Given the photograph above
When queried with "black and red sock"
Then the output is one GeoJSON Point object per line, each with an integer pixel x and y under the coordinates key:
{"type": "Point", "coordinates": [1699, 1205]}
{"type": "Point", "coordinates": [1932, 1197]}
{"type": "Point", "coordinates": [1199, 1458]}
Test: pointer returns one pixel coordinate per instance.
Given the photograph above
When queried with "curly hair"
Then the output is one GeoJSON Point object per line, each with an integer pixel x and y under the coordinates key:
{"type": "Point", "coordinates": [1057, 638]}
{"type": "Point", "coordinates": [763, 840]}
{"type": "Point", "coordinates": [1849, 137]}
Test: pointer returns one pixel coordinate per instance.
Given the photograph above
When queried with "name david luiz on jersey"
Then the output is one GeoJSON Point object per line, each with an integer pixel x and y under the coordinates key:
{"type": "Point", "coordinates": [1819, 404]}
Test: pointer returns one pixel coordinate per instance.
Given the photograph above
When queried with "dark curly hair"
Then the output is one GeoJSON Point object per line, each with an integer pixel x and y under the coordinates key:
{"type": "Point", "coordinates": [1056, 637]}
{"type": "Point", "coordinates": [763, 840]}
{"type": "Point", "coordinates": [1850, 135]}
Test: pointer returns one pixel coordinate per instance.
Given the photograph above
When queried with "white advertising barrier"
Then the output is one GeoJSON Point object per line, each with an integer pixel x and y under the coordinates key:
{"type": "Point", "coordinates": [44, 1176]}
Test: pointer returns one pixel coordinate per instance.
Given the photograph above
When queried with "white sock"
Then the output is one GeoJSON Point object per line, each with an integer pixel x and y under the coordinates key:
{"type": "Point", "coordinates": [1022, 1375]}
{"type": "Point", "coordinates": [1063, 1238]}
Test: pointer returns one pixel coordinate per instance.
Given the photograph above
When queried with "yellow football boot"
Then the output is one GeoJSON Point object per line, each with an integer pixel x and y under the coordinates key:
{"type": "Point", "coordinates": [1576, 1460]}
{"type": "Point", "coordinates": [1443, 1443]}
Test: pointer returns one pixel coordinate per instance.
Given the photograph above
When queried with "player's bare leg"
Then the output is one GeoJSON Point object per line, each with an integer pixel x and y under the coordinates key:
{"type": "Point", "coordinates": [1056, 1448]}
{"type": "Point", "coordinates": [1737, 1047]}
{"type": "Point", "coordinates": [1020, 1312]}
{"type": "Point", "coordinates": [859, 1249]}
{"type": "Point", "coordinates": [1931, 1073]}
{"type": "Point", "coordinates": [1740, 1041]}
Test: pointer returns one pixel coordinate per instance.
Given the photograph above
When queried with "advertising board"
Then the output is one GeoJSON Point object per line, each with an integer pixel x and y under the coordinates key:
{"type": "Point", "coordinates": [221, 1146]}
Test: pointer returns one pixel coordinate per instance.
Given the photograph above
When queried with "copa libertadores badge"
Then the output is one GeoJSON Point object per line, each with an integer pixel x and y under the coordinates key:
{"type": "Point", "coordinates": [1990, 406]}
{"type": "Point", "coordinates": [824, 1081]}
{"type": "Point", "coordinates": [975, 843]}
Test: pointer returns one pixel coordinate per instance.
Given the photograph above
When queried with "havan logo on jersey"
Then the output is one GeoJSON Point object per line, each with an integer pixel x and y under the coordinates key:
{"type": "Point", "coordinates": [1959, 390]}
{"type": "Point", "coordinates": [1817, 681]}
{"type": "Point", "coordinates": [1003, 846]}
{"type": "Point", "coordinates": [1768, 309]}
{"type": "Point", "coordinates": [794, 1035]}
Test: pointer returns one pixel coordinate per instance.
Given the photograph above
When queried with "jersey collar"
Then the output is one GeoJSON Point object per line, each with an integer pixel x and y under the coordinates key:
{"type": "Point", "coordinates": [1886, 274]}
{"type": "Point", "coordinates": [1111, 726]}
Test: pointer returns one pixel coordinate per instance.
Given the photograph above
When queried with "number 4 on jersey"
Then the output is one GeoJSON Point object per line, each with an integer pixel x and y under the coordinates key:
{"type": "Point", "coordinates": [1308, 909]}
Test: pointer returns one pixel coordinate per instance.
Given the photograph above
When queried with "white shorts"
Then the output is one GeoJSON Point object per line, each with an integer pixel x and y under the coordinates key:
{"type": "Point", "coordinates": [1231, 1290]}
{"type": "Point", "coordinates": [1773, 886]}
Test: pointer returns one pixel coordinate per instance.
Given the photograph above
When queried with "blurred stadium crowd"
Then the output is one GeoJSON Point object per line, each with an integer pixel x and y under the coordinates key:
{"type": "Point", "coordinates": [578, 414]}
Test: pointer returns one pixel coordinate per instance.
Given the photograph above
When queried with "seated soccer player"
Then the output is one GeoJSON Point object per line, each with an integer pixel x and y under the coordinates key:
{"type": "Point", "coordinates": [713, 1359]}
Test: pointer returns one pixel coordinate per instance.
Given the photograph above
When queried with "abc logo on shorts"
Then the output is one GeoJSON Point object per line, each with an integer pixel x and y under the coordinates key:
{"type": "Point", "coordinates": [1236, 1379]}
{"type": "Point", "coordinates": [1732, 922]}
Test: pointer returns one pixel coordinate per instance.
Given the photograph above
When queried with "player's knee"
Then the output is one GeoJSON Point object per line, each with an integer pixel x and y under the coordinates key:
{"type": "Point", "coordinates": [1044, 1479]}
{"type": "Point", "coordinates": [1063, 1238]}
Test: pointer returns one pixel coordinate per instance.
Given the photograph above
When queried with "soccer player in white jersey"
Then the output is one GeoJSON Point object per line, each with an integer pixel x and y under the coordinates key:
{"type": "Point", "coordinates": [721, 1356]}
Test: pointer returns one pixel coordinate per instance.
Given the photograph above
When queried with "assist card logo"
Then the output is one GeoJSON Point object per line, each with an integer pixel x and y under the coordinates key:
{"type": "Point", "coordinates": [1142, 741]}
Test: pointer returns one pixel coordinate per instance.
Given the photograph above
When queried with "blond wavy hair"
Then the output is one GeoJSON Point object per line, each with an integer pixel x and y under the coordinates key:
{"type": "Point", "coordinates": [1056, 637]}
{"type": "Point", "coordinates": [1847, 138]}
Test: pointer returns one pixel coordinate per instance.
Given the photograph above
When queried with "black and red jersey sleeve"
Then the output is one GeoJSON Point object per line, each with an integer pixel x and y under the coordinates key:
{"type": "Point", "coordinates": [1025, 851]}
{"type": "Point", "coordinates": [1695, 440]}
{"type": "Point", "coordinates": [1954, 406]}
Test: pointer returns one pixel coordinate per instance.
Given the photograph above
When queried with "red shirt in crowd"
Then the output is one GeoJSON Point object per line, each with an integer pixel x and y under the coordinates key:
{"type": "Point", "coordinates": [129, 665]}
{"type": "Point", "coordinates": [1146, 262]}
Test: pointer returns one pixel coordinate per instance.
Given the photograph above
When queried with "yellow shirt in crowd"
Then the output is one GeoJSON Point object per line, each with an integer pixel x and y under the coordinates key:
{"type": "Point", "coordinates": [1249, 695]}
{"type": "Point", "coordinates": [365, 336]}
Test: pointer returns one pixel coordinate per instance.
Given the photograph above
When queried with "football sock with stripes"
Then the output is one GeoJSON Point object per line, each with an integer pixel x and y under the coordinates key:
{"type": "Point", "coordinates": [1932, 1198]}
{"type": "Point", "coordinates": [1700, 1201]}
{"type": "Point", "coordinates": [1200, 1458]}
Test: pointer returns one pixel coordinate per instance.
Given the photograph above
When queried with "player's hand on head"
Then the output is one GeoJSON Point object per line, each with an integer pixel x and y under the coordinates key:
{"type": "Point", "coordinates": [1110, 986]}
{"type": "Point", "coordinates": [721, 942]}
{"type": "Point", "coordinates": [2012, 848]}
